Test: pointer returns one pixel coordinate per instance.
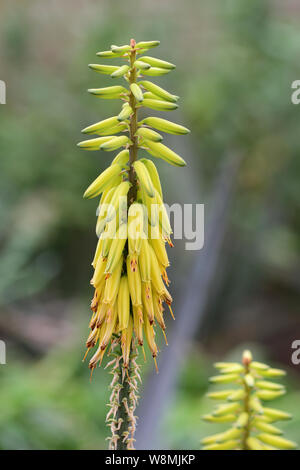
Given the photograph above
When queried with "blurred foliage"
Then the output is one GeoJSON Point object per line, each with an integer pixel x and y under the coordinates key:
{"type": "Point", "coordinates": [53, 405]}
{"type": "Point", "coordinates": [236, 61]}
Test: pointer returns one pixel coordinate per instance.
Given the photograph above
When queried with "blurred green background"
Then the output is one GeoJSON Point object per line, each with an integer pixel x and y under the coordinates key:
{"type": "Point", "coordinates": [236, 61]}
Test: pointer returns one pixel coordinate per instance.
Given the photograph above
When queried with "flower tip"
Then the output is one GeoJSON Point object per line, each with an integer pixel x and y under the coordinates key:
{"type": "Point", "coordinates": [85, 131]}
{"type": "Point", "coordinates": [86, 353]}
{"type": "Point", "coordinates": [155, 362]}
{"type": "Point", "coordinates": [247, 357]}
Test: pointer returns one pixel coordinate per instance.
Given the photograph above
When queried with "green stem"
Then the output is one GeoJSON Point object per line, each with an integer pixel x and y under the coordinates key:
{"type": "Point", "coordinates": [133, 149]}
{"type": "Point", "coordinates": [125, 375]}
{"type": "Point", "coordinates": [124, 395]}
{"type": "Point", "coordinates": [247, 410]}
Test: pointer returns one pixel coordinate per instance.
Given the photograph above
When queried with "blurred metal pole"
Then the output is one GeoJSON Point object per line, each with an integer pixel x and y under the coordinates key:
{"type": "Point", "coordinates": [195, 296]}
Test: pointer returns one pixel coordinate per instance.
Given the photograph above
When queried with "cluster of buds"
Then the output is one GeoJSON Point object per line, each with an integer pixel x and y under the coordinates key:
{"type": "Point", "coordinates": [133, 227]}
{"type": "Point", "coordinates": [252, 423]}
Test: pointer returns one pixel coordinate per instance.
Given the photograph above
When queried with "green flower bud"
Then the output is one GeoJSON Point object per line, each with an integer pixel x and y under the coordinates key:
{"type": "Point", "coordinates": [125, 112]}
{"type": "Point", "coordinates": [154, 62]}
{"type": "Point", "coordinates": [277, 441]}
{"type": "Point", "coordinates": [159, 105]}
{"type": "Point", "coordinates": [268, 385]}
{"type": "Point", "coordinates": [101, 125]}
{"type": "Point", "coordinates": [115, 143]}
{"type": "Point", "coordinates": [232, 433]}
{"type": "Point", "coordinates": [258, 366]}
{"type": "Point", "coordinates": [144, 177]}
{"type": "Point", "coordinates": [229, 445]}
{"type": "Point", "coordinates": [147, 44]}
{"type": "Point", "coordinates": [150, 96]}
{"type": "Point", "coordinates": [158, 91]}
{"type": "Point", "coordinates": [109, 54]}
{"type": "Point", "coordinates": [137, 92]}
{"type": "Point", "coordinates": [122, 158]}
{"type": "Point", "coordinates": [102, 181]}
{"type": "Point", "coordinates": [247, 357]}
{"type": "Point", "coordinates": [93, 144]}
{"type": "Point", "coordinates": [242, 420]}
{"type": "Point", "coordinates": [153, 174]}
{"type": "Point", "coordinates": [268, 394]}
{"type": "Point", "coordinates": [226, 409]}
{"type": "Point", "coordinates": [105, 69]}
{"type": "Point", "coordinates": [156, 72]}
{"type": "Point", "coordinates": [220, 419]}
{"type": "Point", "coordinates": [236, 395]}
{"type": "Point", "coordinates": [149, 134]}
{"type": "Point", "coordinates": [223, 365]}
{"type": "Point", "coordinates": [161, 151]}
{"type": "Point", "coordinates": [235, 368]}
{"type": "Point", "coordinates": [141, 65]}
{"type": "Point", "coordinates": [272, 373]}
{"type": "Point", "coordinates": [223, 379]}
{"type": "Point", "coordinates": [120, 71]}
{"type": "Point", "coordinates": [110, 92]}
{"type": "Point", "coordinates": [255, 405]}
{"type": "Point", "coordinates": [249, 380]}
{"type": "Point", "coordinates": [211, 439]}
{"type": "Point", "coordinates": [165, 126]}
{"type": "Point", "coordinates": [123, 49]}
{"type": "Point", "coordinates": [122, 126]}
{"type": "Point", "coordinates": [265, 427]}
{"type": "Point", "coordinates": [277, 415]}
{"type": "Point", "coordinates": [220, 395]}
{"type": "Point", "coordinates": [254, 444]}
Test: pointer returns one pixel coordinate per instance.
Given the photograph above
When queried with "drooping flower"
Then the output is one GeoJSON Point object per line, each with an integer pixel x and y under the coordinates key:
{"type": "Point", "coordinates": [130, 262]}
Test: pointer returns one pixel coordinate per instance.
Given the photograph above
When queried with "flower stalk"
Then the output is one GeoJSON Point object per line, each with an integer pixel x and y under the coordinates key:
{"type": "Point", "coordinates": [123, 399]}
{"type": "Point", "coordinates": [133, 149]}
{"type": "Point", "coordinates": [133, 227]}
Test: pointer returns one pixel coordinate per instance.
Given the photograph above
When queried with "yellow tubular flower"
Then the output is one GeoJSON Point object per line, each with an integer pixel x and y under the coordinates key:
{"type": "Point", "coordinates": [130, 261]}
{"type": "Point", "coordinates": [123, 304]}
{"type": "Point", "coordinates": [148, 301]}
{"type": "Point", "coordinates": [138, 323]}
{"type": "Point", "coordinates": [134, 282]}
{"type": "Point", "coordinates": [135, 232]}
{"type": "Point", "coordinates": [145, 261]}
{"type": "Point", "coordinates": [252, 423]}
